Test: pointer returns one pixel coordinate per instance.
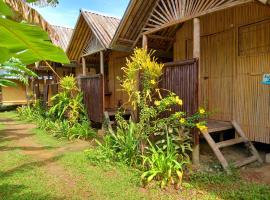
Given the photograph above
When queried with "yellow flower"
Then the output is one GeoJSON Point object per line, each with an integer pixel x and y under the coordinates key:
{"type": "Point", "coordinates": [202, 111]}
{"type": "Point", "coordinates": [153, 82]}
{"type": "Point", "coordinates": [201, 127]}
{"type": "Point", "coordinates": [157, 103]}
{"type": "Point", "coordinates": [182, 120]}
{"type": "Point", "coordinates": [178, 101]}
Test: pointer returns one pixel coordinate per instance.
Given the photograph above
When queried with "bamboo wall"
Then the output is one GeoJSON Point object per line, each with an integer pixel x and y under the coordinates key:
{"type": "Point", "coordinates": [14, 95]}
{"type": "Point", "coordinates": [235, 53]}
{"type": "Point", "coordinates": [117, 60]}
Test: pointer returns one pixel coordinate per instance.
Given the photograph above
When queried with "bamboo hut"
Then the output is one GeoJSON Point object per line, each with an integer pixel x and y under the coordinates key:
{"type": "Point", "coordinates": [98, 66]}
{"type": "Point", "coordinates": [219, 53]}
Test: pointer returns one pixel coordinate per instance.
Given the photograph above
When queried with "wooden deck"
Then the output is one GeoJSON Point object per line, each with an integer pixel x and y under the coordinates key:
{"type": "Point", "coordinates": [217, 126]}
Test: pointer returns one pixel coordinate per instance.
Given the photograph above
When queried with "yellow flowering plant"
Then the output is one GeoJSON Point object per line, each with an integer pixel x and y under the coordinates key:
{"type": "Point", "coordinates": [159, 112]}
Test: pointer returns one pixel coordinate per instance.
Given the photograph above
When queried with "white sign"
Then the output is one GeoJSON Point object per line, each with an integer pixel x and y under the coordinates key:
{"type": "Point", "coordinates": [266, 79]}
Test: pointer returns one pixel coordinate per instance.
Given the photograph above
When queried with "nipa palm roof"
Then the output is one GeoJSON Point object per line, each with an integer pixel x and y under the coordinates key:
{"type": "Point", "coordinates": [63, 36]}
{"type": "Point", "coordinates": [91, 24]}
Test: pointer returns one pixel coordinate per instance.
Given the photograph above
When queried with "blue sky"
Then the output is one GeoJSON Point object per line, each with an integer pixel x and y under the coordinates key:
{"type": "Point", "coordinates": [67, 12]}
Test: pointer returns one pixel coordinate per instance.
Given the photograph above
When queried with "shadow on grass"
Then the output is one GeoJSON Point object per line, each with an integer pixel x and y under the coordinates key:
{"type": "Point", "coordinates": [6, 148]}
{"type": "Point", "coordinates": [28, 166]}
{"type": "Point", "coordinates": [21, 192]}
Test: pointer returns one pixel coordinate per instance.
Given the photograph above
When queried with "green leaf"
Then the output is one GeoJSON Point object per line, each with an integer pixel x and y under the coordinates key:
{"type": "Point", "coordinates": [4, 54]}
{"type": "Point", "coordinates": [6, 83]}
{"type": "Point", "coordinates": [4, 9]}
{"type": "Point", "coordinates": [29, 43]}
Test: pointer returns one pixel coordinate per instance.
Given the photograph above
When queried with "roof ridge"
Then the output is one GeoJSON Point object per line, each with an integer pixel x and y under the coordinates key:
{"type": "Point", "coordinates": [62, 26]}
{"type": "Point", "coordinates": [99, 13]}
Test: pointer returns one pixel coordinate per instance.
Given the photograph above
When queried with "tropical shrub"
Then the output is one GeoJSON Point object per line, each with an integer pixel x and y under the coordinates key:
{"type": "Point", "coordinates": [71, 126]}
{"type": "Point", "coordinates": [165, 164]}
{"type": "Point", "coordinates": [121, 145]}
{"type": "Point", "coordinates": [68, 104]}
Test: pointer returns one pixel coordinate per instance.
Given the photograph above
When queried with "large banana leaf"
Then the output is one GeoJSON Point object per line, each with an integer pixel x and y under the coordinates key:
{"type": "Point", "coordinates": [27, 42]}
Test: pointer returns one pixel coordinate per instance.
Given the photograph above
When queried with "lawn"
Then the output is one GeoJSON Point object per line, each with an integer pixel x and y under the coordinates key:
{"type": "Point", "coordinates": [70, 175]}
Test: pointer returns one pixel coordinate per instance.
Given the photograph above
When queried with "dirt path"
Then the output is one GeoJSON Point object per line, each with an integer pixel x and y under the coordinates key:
{"type": "Point", "coordinates": [19, 137]}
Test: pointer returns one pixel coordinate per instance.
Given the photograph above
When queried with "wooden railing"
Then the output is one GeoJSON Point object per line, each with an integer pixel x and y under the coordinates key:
{"type": "Point", "coordinates": [93, 95]}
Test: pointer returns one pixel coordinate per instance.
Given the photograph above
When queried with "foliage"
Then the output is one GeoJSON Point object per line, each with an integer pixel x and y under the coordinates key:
{"type": "Point", "coordinates": [26, 42]}
{"type": "Point", "coordinates": [150, 100]}
{"type": "Point", "coordinates": [68, 104]}
{"type": "Point", "coordinates": [121, 145]}
{"type": "Point", "coordinates": [158, 122]}
{"type": "Point", "coordinates": [165, 164]}
{"type": "Point", "coordinates": [57, 128]}
{"type": "Point", "coordinates": [14, 69]}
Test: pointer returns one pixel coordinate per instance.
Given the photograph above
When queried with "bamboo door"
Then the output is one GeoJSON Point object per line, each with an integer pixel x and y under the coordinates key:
{"type": "Point", "coordinates": [217, 64]}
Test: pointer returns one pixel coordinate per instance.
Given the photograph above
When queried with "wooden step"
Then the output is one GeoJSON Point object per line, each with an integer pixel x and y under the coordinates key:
{"type": "Point", "coordinates": [231, 142]}
{"type": "Point", "coordinates": [218, 126]}
{"type": "Point", "coordinates": [246, 161]}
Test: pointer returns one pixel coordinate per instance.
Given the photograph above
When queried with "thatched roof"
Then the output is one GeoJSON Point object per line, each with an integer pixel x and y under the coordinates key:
{"type": "Point", "coordinates": [30, 15]}
{"type": "Point", "coordinates": [63, 36]}
{"type": "Point", "coordinates": [163, 16]}
{"type": "Point", "coordinates": [93, 32]}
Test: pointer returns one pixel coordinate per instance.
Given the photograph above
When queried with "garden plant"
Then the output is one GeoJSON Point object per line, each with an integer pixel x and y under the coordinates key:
{"type": "Point", "coordinates": [158, 141]}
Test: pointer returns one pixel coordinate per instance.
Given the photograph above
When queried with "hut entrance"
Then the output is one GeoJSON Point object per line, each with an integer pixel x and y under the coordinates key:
{"type": "Point", "coordinates": [217, 63]}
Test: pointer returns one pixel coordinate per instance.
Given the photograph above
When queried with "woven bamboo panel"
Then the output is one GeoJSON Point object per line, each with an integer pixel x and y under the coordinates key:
{"type": "Point", "coordinates": [235, 53]}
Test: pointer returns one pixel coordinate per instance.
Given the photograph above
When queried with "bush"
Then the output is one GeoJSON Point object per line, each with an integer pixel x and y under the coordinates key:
{"type": "Point", "coordinates": [66, 118]}
{"type": "Point", "coordinates": [68, 104]}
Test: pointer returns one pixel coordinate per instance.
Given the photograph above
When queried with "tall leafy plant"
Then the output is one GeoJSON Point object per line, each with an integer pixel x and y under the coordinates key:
{"type": "Point", "coordinates": [68, 103]}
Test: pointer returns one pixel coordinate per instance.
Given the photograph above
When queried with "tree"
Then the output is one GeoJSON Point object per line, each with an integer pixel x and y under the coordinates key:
{"type": "Point", "coordinates": [26, 42]}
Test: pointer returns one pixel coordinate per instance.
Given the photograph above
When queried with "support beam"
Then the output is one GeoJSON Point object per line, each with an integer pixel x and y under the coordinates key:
{"type": "Point", "coordinates": [196, 54]}
{"type": "Point", "coordinates": [84, 66]}
{"type": "Point", "coordinates": [145, 42]}
{"type": "Point", "coordinates": [101, 62]}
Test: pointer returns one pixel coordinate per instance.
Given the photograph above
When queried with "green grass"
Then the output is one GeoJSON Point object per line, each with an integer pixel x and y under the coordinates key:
{"type": "Point", "coordinates": [230, 187]}
{"type": "Point", "coordinates": [21, 178]}
{"type": "Point", "coordinates": [24, 178]}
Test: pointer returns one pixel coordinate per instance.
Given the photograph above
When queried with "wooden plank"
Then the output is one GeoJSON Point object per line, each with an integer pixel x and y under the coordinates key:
{"type": "Point", "coordinates": [216, 151]}
{"type": "Point", "coordinates": [217, 126]}
{"type": "Point", "coordinates": [244, 162]}
{"type": "Point", "coordinates": [231, 142]}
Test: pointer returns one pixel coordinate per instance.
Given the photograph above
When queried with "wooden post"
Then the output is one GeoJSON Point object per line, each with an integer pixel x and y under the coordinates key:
{"type": "Point", "coordinates": [84, 66]}
{"type": "Point", "coordinates": [101, 62]}
{"type": "Point", "coordinates": [196, 54]}
{"type": "Point", "coordinates": [103, 78]}
{"type": "Point", "coordinates": [145, 42]}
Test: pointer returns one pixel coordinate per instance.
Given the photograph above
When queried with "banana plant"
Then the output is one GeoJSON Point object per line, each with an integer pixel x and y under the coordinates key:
{"type": "Point", "coordinates": [26, 42]}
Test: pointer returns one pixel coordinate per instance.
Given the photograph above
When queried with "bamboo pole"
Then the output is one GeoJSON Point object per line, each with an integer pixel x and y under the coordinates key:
{"type": "Point", "coordinates": [84, 66]}
{"type": "Point", "coordinates": [196, 54]}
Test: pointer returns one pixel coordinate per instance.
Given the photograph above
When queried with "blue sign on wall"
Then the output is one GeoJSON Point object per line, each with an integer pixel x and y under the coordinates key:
{"type": "Point", "coordinates": [266, 79]}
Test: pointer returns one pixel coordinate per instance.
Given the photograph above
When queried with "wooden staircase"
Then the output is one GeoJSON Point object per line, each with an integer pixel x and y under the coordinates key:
{"type": "Point", "coordinates": [240, 137]}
